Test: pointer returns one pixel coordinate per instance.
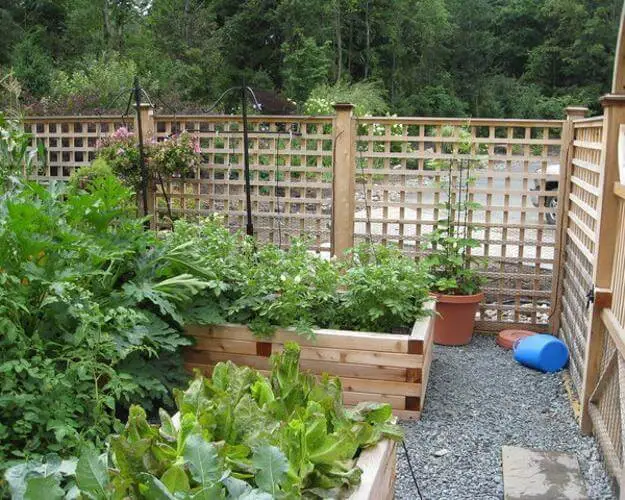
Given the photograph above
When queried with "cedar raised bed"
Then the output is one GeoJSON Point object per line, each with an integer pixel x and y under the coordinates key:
{"type": "Point", "coordinates": [382, 367]}
{"type": "Point", "coordinates": [378, 472]}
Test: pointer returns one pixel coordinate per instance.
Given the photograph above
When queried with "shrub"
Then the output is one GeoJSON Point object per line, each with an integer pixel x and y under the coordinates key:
{"type": "Point", "coordinates": [17, 156]}
{"type": "Point", "coordinates": [95, 82]}
{"type": "Point", "coordinates": [89, 314]}
{"type": "Point", "coordinates": [453, 270]}
{"type": "Point", "coordinates": [380, 290]}
{"type": "Point", "coordinates": [87, 177]}
{"type": "Point", "coordinates": [367, 97]}
{"type": "Point", "coordinates": [266, 287]}
{"type": "Point", "coordinates": [177, 156]}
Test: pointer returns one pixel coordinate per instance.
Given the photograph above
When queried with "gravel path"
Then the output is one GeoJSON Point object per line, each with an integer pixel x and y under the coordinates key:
{"type": "Point", "coordinates": [478, 399]}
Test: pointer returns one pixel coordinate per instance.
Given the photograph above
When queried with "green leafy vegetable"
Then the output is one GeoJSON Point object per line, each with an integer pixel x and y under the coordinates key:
{"type": "Point", "coordinates": [271, 468]}
{"type": "Point", "coordinates": [238, 436]}
{"type": "Point", "coordinates": [202, 459]}
{"type": "Point", "coordinates": [40, 488]}
{"type": "Point", "coordinates": [91, 475]}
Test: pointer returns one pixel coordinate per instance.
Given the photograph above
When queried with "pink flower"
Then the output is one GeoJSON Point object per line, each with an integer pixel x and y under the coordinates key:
{"type": "Point", "coordinates": [98, 144]}
{"type": "Point", "coordinates": [196, 146]}
{"type": "Point", "coordinates": [120, 151]}
{"type": "Point", "coordinates": [122, 133]}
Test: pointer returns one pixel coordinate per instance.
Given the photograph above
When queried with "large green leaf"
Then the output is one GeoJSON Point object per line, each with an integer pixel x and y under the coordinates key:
{"type": "Point", "coordinates": [372, 412]}
{"type": "Point", "coordinates": [213, 492]}
{"type": "Point", "coordinates": [175, 479]}
{"type": "Point", "coordinates": [92, 474]}
{"type": "Point", "coordinates": [153, 489]}
{"type": "Point", "coordinates": [202, 459]}
{"type": "Point", "coordinates": [204, 312]}
{"type": "Point", "coordinates": [18, 475]}
{"type": "Point", "coordinates": [335, 446]}
{"type": "Point", "coordinates": [43, 488]}
{"type": "Point", "coordinates": [240, 490]}
{"type": "Point", "coordinates": [167, 429]}
{"type": "Point", "coordinates": [263, 394]}
{"type": "Point", "coordinates": [272, 466]}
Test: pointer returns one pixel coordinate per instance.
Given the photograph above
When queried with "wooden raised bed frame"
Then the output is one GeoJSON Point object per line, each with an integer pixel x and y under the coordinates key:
{"type": "Point", "coordinates": [378, 472]}
{"type": "Point", "coordinates": [389, 368]}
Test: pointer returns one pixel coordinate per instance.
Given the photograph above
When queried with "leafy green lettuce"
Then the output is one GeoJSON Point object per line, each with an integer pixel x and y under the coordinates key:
{"type": "Point", "coordinates": [237, 435]}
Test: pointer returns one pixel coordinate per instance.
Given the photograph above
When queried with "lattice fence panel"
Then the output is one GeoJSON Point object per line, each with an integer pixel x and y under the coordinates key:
{"type": "Point", "coordinates": [70, 141]}
{"type": "Point", "coordinates": [581, 221]}
{"type": "Point", "coordinates": [290, 172]}
{"type": "Point", "coordinates": [398, 200]}
{"type": "Point", "coordinates": [607, 402]}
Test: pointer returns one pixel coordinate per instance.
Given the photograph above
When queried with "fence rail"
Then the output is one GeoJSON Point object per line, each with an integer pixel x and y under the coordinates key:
{"type": "Point", "coordinates": [391, 175]}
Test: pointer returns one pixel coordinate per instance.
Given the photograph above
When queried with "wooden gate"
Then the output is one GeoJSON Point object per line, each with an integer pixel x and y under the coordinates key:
{"type": "Point", "coordinates": [592, 288]}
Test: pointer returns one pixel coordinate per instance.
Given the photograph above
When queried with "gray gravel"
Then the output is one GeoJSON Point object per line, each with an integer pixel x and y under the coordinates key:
{"type": "Point", "coordinates": [479, 399]}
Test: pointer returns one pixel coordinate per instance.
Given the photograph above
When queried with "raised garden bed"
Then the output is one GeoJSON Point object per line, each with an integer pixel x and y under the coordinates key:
{"type": "Point", "coordinates": [378, 472]}
{"type": "Point", "coordinates": [381, 367]}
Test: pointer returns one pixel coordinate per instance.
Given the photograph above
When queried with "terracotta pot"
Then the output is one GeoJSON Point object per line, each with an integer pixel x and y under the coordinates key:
{"type": "Point", "coordinates": [456, 318]}
{"type": "Point", "coordinates": [507, 338]}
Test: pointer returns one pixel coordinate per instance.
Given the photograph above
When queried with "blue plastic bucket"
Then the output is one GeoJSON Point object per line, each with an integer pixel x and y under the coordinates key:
{"type": "Point", "coordinates": [542, 352]}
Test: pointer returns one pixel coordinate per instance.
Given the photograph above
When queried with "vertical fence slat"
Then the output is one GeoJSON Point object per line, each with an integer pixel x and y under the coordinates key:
{"type": "Point", "coordinates": [147, 129]}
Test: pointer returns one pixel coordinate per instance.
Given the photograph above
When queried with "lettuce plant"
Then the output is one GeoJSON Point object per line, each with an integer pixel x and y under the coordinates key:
{"type": "Point", "coordinates": [237, 435]}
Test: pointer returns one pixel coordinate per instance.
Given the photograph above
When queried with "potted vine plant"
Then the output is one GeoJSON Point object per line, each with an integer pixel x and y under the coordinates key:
{"type": "Point", "coordinates": [454, 278]}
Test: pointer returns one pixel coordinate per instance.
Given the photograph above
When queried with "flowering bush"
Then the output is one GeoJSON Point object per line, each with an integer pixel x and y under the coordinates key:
{"type": "Point", "coordinates": [367, 98]}
{"type": "Point", "coordinates": [122, 153]}
{"type": "Point", "coordinates": [177, 156]}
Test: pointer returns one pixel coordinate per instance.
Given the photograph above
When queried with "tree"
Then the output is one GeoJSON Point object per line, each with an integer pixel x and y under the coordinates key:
{"type": "Point", "coordinates": [436, 57]}
{"type": "Point", "coordinates": [305, 65]}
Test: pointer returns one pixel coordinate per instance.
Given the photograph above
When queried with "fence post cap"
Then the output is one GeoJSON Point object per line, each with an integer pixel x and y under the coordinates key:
{"type": "Point", "coordinates": [612, 100]}
{"type": "Point", "coordinates": [576, 111]}
{"type": "Point", "coordinates": [343, 106]}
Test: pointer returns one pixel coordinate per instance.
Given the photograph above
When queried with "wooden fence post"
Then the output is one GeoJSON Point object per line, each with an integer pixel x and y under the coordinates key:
{"type": "Point", "coordinates": [605, 238]}
{"type": "Point", "coordinates": [564, 188]}
{"type": "Point", "coordinates": [148, 129]}
{"type": "Point", "coordinates": [343, 179]}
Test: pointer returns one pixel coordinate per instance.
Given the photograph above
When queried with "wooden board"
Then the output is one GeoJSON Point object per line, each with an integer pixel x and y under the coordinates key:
{"type": "Point", "coordinates": [378, 472]}
{"type": "Point", "coordinates": [372, 366]}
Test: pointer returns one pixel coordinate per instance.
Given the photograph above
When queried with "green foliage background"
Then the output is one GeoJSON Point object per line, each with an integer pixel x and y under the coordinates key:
{"type": "Point", "coordinates": [521, 58]}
